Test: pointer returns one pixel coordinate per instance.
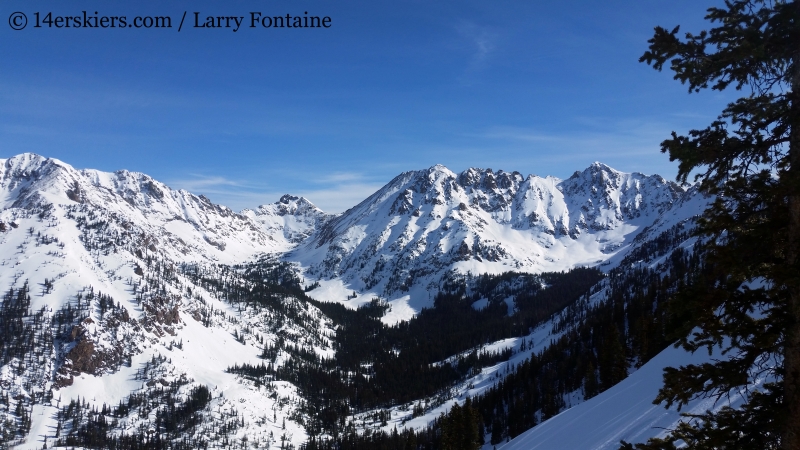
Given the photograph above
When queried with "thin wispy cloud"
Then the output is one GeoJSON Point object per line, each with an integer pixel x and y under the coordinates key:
{"type": "Point", "coordinates": [621, 136]}
{"type": "Point", "coordinates": [339, 177]}
{"type": "Point", "coordinates": [341, 197]}
{"type": "Point", "coordinates": [481, 42]}
{"type": "Point", "coordinates": [332, 193]}
{"type": "Point", "coordinates": [235, 194]}
{"type": "Point", "coordinates": [50, 100]}
{"type": "Point", "coordinates": [627, 145]}
{"type": "Point", "coordinates": [198, 182]}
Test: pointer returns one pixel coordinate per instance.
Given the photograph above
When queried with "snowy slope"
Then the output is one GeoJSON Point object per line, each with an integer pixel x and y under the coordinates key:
{"type": "Point", "coordinates": [638, 391]}
{"type": "Point", "coordinates": [624, 412]}
{"type": "Point", "coordinates": [149, 212]}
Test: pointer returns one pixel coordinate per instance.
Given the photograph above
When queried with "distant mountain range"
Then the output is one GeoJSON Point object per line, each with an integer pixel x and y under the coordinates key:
{"type": "Point", "coordinates": [131, 283]}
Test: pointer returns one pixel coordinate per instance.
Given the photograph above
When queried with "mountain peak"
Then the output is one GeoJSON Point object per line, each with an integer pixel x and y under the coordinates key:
{"type": "Point", "coordinates": [25, 164]}
{"type": "Point", "coordinates": [427, 222]}
{"type": "Point", "coordinates": [290, 204]}
{"type": "Point", "coordinates": [24, 159]}
{"type": "Point", "coordinates": [489, 179]}
{"type": "Point", "coordinates": [601, 166]}
{"type": "Point", "coordinates": [288, 198]}
{"type": "Point", "coordinates": [438, 171]}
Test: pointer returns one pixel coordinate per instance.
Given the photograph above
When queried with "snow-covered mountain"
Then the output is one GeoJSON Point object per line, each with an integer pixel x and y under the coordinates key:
{"type": "Point", "coordinates": [419, 226]}
{"type": "Point", "coordinates": [113, 290]}
{"type": "Point", "coordinates": [291, 218]}
{"type": "Point", "coordinates": [403, 239]}
{"type": "Point", "coordinates": [186, 224]}
{"type": "Point", "coordinates": [120, 288]}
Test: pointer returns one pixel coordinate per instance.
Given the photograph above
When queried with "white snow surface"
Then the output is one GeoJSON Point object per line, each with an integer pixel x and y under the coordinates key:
{"type": "Point", "coordinates": [623, 412]}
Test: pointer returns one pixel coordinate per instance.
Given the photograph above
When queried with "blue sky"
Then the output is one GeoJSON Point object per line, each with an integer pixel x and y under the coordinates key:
{"type": "Point", "coordinates": [333, 114]}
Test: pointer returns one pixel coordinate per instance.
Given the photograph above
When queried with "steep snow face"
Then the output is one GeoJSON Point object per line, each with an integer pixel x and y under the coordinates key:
{"type": "Point", "coordinates": [426, 223]}
{"type": "Point", "coordinates": [291, 218]}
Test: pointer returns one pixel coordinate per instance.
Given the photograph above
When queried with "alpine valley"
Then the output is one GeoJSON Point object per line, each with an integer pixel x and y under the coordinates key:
{"type": "Point", "coordinates": [481, 309]}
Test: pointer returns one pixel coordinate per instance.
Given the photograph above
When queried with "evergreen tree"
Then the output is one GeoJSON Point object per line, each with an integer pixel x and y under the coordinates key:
{"type": "Point", "coordinates": [472, 438]}
{"type": "Point", "coordinates": [613, 365]}
{"type": "Point", "coordinates": [746, 301]}
{"type": "Point", "coordinates": [590, 386]}
{"type": "Point", "coordinates": [461, 428]}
